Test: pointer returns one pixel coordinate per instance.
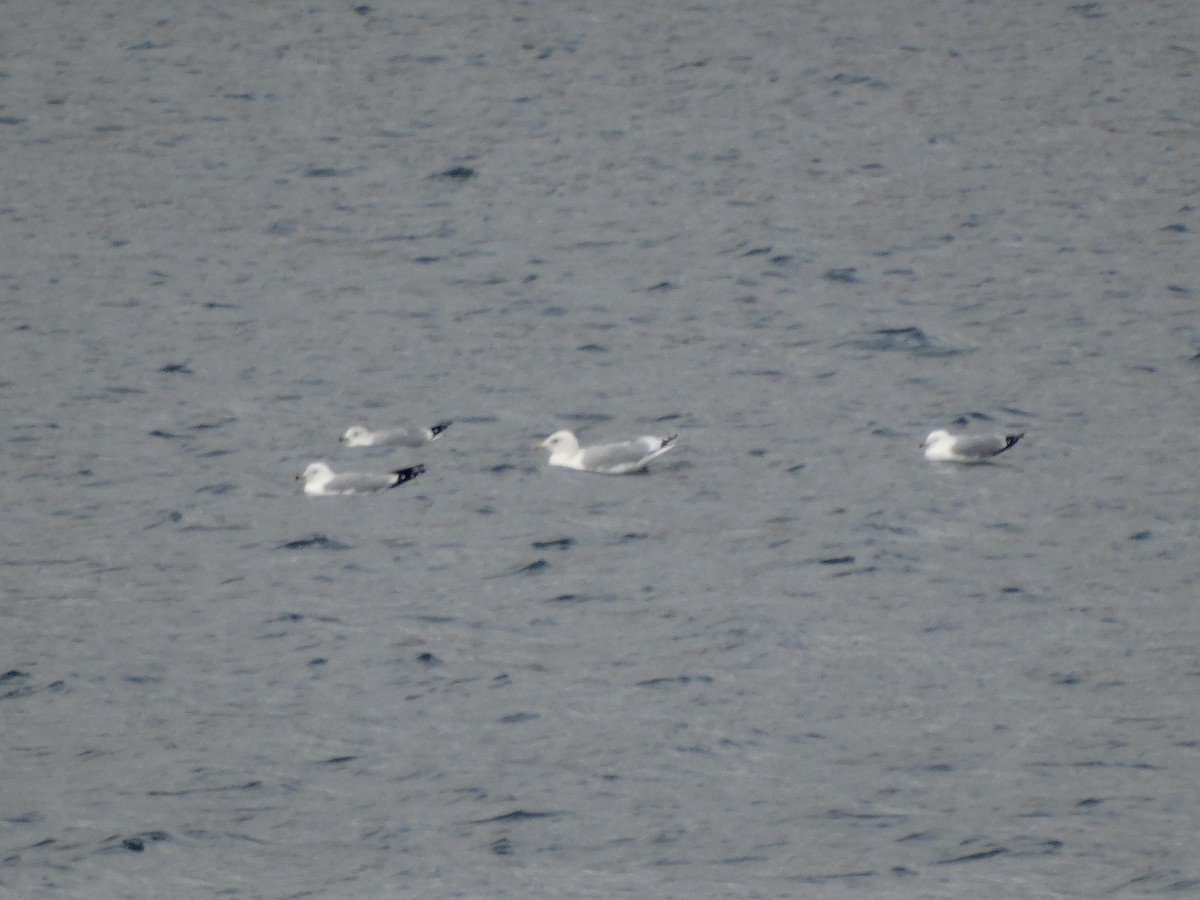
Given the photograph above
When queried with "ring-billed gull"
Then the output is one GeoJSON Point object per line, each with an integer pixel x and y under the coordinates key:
{"type": "Point", "coordinates": [322, 481]}
{"type": "Point", "coordinates": [942, 446]}
{"type": "Point", "coordinates": [403, 436]}
{"type": "Point", "coordinates": [607, 459]}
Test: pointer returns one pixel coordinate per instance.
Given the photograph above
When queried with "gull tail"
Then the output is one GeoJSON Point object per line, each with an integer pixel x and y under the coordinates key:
{"type": "Point", "coordinates": [666, 442]}
{"type": "Point", "coordinates": [408, 474]}
{"type": "Point", "coordinates": [1010, 439]}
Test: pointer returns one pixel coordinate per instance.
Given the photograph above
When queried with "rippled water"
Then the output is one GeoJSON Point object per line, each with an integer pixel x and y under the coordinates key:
{"type": "Point", "coordinates": [793, 658]}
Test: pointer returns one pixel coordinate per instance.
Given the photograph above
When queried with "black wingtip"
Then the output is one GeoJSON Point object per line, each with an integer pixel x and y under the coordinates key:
{"type": "Point", "coordinates": [668, 440]}
{"type": "Point", "coordinates": [1010, 439]}
{"type": "Point", "coordinates": [408, 474]}
{"type": "Point", "coordinates": [437, 429]}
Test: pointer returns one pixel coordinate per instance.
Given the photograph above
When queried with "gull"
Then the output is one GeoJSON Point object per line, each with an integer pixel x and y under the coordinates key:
{"type": "Point", "coordinates": [607, 459]}
{"type": "Point", "coordinates": [404, 435]}
{"type": "Point", "coordinates": [321, 481]}
{"type": "Point", "coordinates": [942, 446]}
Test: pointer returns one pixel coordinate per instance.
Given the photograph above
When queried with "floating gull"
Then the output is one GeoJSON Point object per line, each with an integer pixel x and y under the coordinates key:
{"type": "Point", "coordinates": [321, 481]}
{"type": "Point", "coordinates": [942, 446]}
{"type": "Point", "coordinates": [607, 459]}
{"type": "Point", "coordinates": [404, 436]}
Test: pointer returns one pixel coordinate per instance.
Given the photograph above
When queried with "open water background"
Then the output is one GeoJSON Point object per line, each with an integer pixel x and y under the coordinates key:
{"type": "Point", "coordinates": [794, 659]}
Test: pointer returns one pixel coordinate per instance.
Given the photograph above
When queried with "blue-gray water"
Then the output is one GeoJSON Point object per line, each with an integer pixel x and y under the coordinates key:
{"type": "Point", "coordinates": [793, 659]}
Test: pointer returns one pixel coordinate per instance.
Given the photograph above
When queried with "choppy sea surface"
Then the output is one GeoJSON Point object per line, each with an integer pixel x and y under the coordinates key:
{"type": "Point", "coordinates": [791, 659]}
